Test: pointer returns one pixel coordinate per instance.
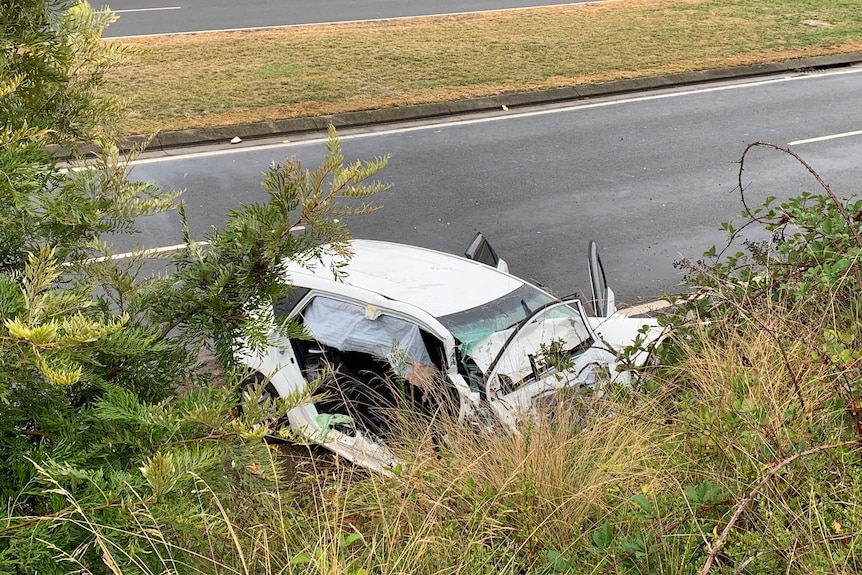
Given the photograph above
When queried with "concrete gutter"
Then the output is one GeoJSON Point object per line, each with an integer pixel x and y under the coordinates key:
{"type": "Point", "coordinates": [295, 126]}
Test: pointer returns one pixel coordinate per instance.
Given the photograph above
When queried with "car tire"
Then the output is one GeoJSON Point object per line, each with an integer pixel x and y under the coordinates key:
{"type": "Point", "coordinates": [269, 392]}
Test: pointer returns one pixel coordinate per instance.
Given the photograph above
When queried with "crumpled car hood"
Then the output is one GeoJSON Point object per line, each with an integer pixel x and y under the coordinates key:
{"type": "Point", "coordinates": [619, 332]}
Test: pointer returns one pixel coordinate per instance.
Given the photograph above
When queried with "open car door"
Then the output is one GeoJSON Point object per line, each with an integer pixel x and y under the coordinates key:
{"type": "Point", "coordinates": [604, 303]}
{"type": "Point", "coordinates": [481, 251]}
{"type": "Point", "coordinates": [616, 330]}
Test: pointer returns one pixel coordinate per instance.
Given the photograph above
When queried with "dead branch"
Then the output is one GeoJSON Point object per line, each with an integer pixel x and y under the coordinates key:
{"type": "Point", "coordinates": [813, 172]}
{"type": "Point", "coordinates": [748, 498]}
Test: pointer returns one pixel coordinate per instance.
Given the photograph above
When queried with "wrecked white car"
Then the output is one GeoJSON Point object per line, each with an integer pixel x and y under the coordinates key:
{"type": "Point", "coordinates": [426, 318]}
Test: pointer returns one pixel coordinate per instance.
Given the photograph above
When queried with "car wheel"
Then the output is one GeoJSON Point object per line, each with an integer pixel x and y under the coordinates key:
{"type": "Point", "coordinates": [269, 393]}
{"type": "Point", "coordinates": [253, 381]}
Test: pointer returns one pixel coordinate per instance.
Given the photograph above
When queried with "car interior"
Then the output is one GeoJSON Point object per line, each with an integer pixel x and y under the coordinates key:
{"type": "Point", "coordinates": [363, 376]}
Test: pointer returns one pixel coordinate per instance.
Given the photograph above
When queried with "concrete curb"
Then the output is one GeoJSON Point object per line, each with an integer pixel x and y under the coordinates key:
{"type": "Point", "coordinates": [296, 126]}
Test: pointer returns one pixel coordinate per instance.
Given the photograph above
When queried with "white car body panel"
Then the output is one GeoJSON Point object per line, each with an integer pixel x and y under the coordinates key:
{"type": "Point", "coordinates": [280, 366]}
{"type": "Point", "coordinates": [435, 282]}
{"type": "Point", "coordinates": [620, 331]}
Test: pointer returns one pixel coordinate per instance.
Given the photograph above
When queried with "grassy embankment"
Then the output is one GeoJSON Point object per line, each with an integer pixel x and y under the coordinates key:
{"type": "Point", "coordinates": [216, 79]}
{"type": "Point", "coordinates": [739, 454]}
{"type": "Point", "coordinates": [746, 433]}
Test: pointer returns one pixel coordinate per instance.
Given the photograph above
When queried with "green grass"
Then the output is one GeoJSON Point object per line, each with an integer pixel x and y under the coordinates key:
{"type": "Point", "coordinates": [215, 79]}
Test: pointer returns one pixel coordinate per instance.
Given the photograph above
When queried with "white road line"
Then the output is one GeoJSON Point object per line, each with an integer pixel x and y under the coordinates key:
{"type": "Point", "coordinates": [309, 24]}
{"type": "Point", "coordinates": [145, 252]}
{"type": "Point", "coordinates": [824, 138]}
{"type": "Point", "coordinates": [509, 116]}
{"type": "Point", "coordinates": [631, 311]}
{"type": "Point", "coordinates": [146, 9]}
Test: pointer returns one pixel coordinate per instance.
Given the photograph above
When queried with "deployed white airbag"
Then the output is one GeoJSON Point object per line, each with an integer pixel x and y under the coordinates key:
{"type": "Point", "coordinates": [347, 327]}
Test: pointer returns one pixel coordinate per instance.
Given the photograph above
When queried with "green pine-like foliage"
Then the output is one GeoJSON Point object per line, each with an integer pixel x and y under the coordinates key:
{"type": "Point", "coordinates": [108, 419]}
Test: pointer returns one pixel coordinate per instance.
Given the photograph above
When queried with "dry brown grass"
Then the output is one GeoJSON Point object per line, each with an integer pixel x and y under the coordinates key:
{"type": "Point", "coordinates": [759, 370]}
{"type": "Point", "coordinates": [749, 366]}
{"type": "Point", "coordinates": [226, 78]}
{"type": "Point", "coordinates": [543, 484]}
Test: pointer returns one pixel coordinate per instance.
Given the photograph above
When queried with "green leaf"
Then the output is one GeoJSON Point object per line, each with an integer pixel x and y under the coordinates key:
{"type": "Point", "coordinates": [706, 493]}
{"type": "Point", "coordinates": [300, 559]}
{"type": "Point", "coordinates": [557, 562]}
{"type": "Point", "coordinates": [349, 540]}
{"type": "Point", "coordinates": [603, 536]}
{"type": "Point", "coordinates": [641, 500]}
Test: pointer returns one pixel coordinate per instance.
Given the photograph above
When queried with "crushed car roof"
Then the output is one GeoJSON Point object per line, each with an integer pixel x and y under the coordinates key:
{"type": "Point", "coordinates": [438, 283]}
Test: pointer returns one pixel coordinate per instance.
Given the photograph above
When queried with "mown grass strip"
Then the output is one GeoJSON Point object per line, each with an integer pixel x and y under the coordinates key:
{"type": "Point", "coordinates": [216, 79]}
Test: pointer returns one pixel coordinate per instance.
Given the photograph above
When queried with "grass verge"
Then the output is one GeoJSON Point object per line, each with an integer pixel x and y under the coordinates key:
{"type": "Point", "coordinates": [646, 487]}
{"type": "Point", "coordinates": [205, 80]}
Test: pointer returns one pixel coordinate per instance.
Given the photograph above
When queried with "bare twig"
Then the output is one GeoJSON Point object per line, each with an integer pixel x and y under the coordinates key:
{"type": "Point", "coordinates": [747, 499]}
{"type": "Point", "coordinates": [817, 177]}
{"type": "Point", "coordinates": [794, 377]}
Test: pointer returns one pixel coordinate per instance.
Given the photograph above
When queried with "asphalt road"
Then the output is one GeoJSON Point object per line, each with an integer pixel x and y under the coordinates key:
{"type": "Point", "coordinates": [649, 176]}
{"type": "Point", "coordinates": [140, 17]}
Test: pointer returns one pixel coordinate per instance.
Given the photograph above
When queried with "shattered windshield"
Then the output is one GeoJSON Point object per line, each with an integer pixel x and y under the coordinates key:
{"type": "Point", "coordinates": [477, 324]}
